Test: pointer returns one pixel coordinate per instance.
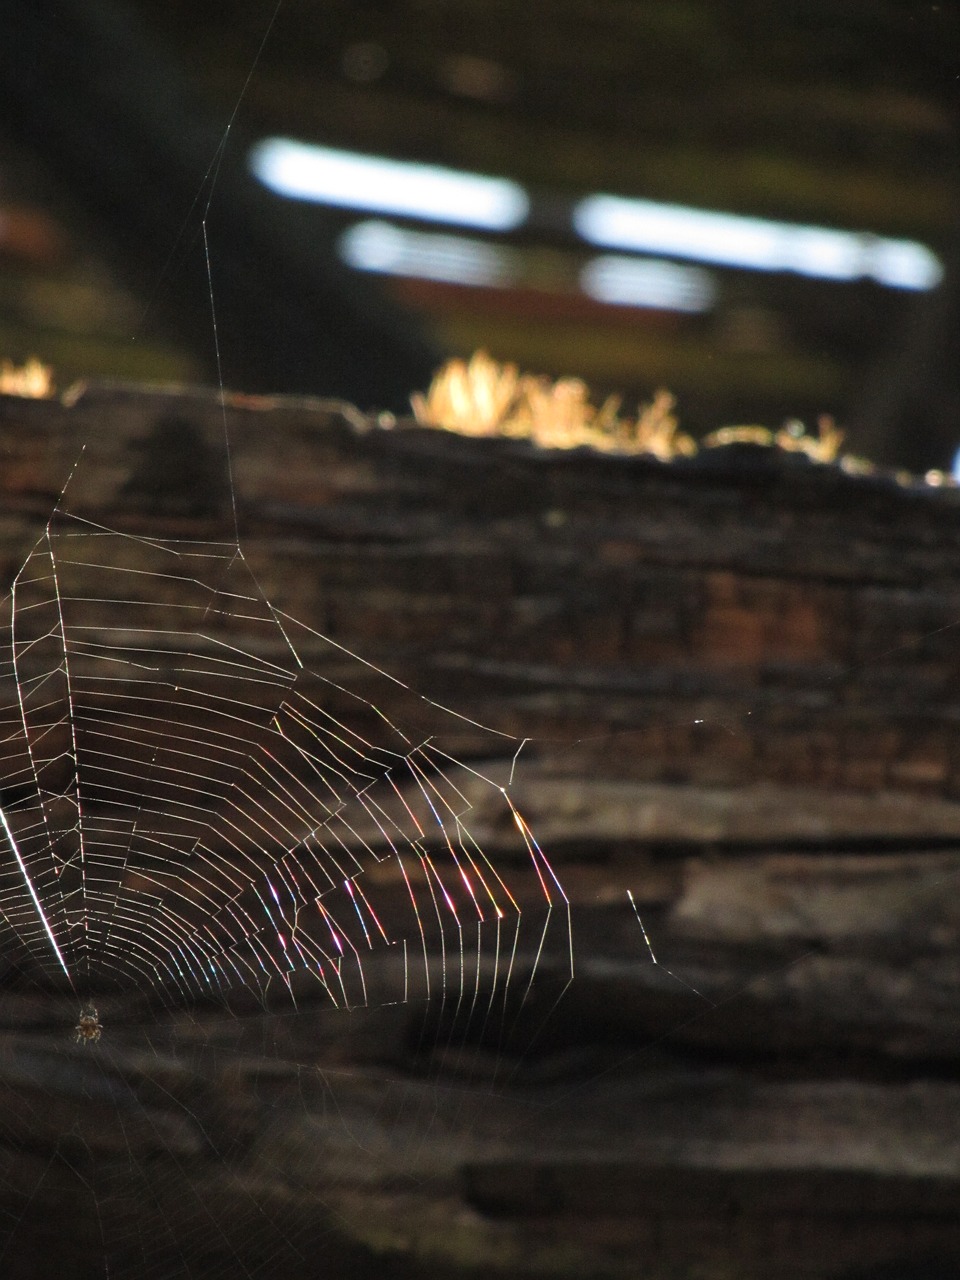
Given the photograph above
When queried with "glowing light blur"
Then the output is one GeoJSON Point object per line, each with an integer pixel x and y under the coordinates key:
{"type": "Point", "coordinates": [379, 246]}
{"type": "Point", "coordinates": [730, 240]}
{"type": "Point", "coordinates": [400, 187]}
{"type": "Point", "coordinates": [647, 282]}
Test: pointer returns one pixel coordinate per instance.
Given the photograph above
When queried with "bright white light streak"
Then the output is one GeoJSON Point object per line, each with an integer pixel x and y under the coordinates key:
{"type": "Point", "coordinates": [379, 246]}
{"type": "Point", "coordinates": [409, 190]}
{"type": "Point", "coordinates": [731, 240]}
{"type": "Point", "coordinates": [648, 282]}
{"type": "Point", "coordinates": [33, 894]}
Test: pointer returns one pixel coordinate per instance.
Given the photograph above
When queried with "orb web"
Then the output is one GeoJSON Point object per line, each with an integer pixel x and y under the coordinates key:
{"type": "Point", "coordinates": [199, 793]}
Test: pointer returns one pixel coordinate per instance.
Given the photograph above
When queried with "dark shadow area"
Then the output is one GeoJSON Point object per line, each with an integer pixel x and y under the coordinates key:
{"type": "Point", "coordinates": [142, 156]}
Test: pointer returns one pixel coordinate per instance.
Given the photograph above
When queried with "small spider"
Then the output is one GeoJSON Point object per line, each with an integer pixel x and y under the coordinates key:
{"type": "Point", "coordinates": [89, 1027]}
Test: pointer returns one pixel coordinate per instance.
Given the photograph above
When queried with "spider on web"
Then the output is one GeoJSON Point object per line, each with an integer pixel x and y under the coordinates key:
{"type": "Point", "coordinates": [89, 1028]}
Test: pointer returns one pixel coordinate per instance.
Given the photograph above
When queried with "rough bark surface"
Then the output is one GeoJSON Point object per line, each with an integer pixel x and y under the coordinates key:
{"type": "Point", "coordinates": [740, 678]}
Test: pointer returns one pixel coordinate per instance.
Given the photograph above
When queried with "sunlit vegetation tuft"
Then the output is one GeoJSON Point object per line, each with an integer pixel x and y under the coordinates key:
{"type": "Point", "coordinates": [32, 380]}
{"type": "Point", "coordinates": [481, 397]}
{"type": "Point", "coordinates": [792, 437]}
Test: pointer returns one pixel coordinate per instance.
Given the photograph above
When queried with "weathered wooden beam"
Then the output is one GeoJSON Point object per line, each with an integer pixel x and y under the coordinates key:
{"type": "Point", "coordinates": [737, 678]}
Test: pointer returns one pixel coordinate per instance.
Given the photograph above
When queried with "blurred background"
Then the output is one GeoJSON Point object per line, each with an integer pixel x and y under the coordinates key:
{"type": "Point", "coordinates": [754, 205]}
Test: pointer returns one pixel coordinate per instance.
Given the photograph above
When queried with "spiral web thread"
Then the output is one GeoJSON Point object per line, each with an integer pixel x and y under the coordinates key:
{"type": "Point", "coordinates": [198, 793]}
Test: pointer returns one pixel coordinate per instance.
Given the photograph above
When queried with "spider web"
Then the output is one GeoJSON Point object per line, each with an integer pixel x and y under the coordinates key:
{"type": "Point", "coordinates": [201, 794]}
